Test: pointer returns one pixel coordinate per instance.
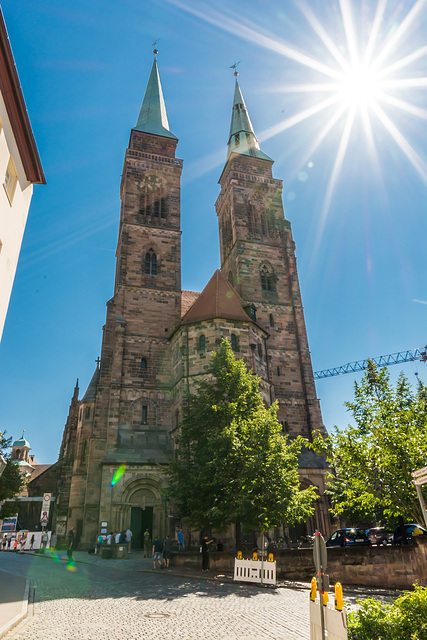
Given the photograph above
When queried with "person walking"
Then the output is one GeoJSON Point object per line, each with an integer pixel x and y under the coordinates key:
{"type": "Point", "coordinates": [32, 542]}
{"type": "Point", "coordinates": [205, 553]}
{"type": "Point", "coordinates": [157, 552]}
{"type": "Point", "coordinates": [180, 538]}
{"type": "Point", "coordinates": [99, 542]}
{"type": "Point", "coordinates": [167, 548]}
{"type": "Point", "coordinates": [71, 544]}
{"type": "Point", "coordinates": [147, 544]}
{"type": "Point", "coordinates": [53, 539]}
{"type": "Point", "coordinates": [128, 538]}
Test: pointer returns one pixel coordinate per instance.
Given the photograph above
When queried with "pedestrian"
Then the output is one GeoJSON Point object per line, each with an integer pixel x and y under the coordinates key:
{"type": "Point", "coordinates": [4, 542]}
{"type": "Point", "coordinates": [122, 538]}
{"type": "Point", "coordinates": [110, 535]}
{"type": "Point", "coordinates": [53, 539]}
{"type": "Point", "coordinates": [44, 541]}
{"type": "Point", "coordinates": [71, 544]}
{"type": "Point", "coordinates": [147, 544]}
{"type": "Point", "coordinates": [167, 548]}
{"type": "Point", "coordinates": [128, 538]}
{"type": "Point", "coordinates": [117, 537]}
{"type": "Point", "coordinates": [33, 537]}
{"type": "Point", "coordinates": [205, 553]}
{"type": "Point", "coordinates": [99, 542]}
{"type": "Point", "coordinates": [157, 552]}
{"type": "Point", "coordinates": [180, 538]}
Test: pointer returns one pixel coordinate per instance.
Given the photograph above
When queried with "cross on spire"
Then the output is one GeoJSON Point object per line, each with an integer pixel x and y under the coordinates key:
{"type": "Point", "coordinates": [98, 361]}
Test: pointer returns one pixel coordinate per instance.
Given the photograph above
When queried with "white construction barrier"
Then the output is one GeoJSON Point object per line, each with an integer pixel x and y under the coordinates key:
{"type": "Point", "coordinates": [255, 571]}
{"type": "Point", "coordinates": [335, 622]}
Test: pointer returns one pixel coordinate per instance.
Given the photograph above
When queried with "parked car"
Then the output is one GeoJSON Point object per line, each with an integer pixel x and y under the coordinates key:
{"type": "Point", "coordinates": [348, 537]}
{"type": "Point", "coordinates": [378, 536]}
{"type": "Point", "coordinates": [412, 530]}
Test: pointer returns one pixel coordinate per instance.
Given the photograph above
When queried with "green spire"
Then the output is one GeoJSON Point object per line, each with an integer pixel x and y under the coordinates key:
{"type": "Point", "coordinates": [242, 137]}
{"type": "Point", "coordinates": [152, 117]}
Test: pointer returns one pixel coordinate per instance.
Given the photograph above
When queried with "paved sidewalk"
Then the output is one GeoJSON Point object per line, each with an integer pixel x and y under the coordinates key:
{"type": "Point", "coordinates": [13, 600]}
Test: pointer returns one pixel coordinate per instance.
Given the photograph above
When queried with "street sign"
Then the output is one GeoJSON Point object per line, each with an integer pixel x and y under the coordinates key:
{"type": "Point", "coordinates": [44, 518]}
{"type": "Point", "coordinates": [419, 472]}
{"type": "Point", "coordinates": [319, 553]}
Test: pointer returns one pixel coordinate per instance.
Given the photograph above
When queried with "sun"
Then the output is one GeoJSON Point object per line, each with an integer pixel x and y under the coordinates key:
{"type": "Point", "coordinates": [360, 86]}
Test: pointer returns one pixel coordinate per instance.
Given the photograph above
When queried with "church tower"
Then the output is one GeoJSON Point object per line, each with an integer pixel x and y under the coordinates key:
{"type": "Point", "coordinates": [258, 258]}
{"type": "Point", "coordinates": [125, 416]}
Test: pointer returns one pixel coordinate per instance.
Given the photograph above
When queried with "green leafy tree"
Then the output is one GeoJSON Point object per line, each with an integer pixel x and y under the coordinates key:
{"type": "Point", "coordinates": [372, 460]}
{"type": "Point", "coordinates": [233, 465]}
{"type": "Point", "coordinates": [11, 481]}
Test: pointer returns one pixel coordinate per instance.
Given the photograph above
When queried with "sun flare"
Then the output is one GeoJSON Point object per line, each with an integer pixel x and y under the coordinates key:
{"type": "Point", "coordinates": [360, 86]}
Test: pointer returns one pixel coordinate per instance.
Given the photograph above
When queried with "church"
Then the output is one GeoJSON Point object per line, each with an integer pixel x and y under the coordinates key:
{"type": "Point", "coordinates": [157, 338]}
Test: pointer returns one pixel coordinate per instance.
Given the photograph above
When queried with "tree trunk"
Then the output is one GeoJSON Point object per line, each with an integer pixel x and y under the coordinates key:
{"type": "Point", "coordinates": [403, 530]}
{"type": "Point", "coordinates": [238, 536]}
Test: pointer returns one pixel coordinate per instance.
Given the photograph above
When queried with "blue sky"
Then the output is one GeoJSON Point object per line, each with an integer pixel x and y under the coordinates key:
{"type": "Point", "coordinates": [354, 173]}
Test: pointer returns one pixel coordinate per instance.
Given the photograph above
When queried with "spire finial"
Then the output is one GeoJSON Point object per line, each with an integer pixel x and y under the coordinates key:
{"type": "Point", "coordinates": [155, 50]}
{"type": "Point", "coordinates": [234, 66]}
{"type": "Point", "coordinates": [98, 362]}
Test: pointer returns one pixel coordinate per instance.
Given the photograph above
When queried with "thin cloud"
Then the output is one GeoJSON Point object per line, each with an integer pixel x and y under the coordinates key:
{"type": "Point", "coordinates": [419, 301]}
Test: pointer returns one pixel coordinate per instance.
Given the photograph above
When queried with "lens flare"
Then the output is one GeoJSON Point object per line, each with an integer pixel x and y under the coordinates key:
{"type": "Point", "coordinates": [118, 474]}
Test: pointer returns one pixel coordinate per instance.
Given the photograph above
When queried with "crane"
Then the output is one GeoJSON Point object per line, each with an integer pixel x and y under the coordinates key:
{"type": "Point", "coordinates": [383, 361]}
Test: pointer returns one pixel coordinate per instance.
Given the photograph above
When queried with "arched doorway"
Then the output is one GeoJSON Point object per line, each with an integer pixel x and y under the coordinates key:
{"type": "Point", "coordinates": [140, 520]}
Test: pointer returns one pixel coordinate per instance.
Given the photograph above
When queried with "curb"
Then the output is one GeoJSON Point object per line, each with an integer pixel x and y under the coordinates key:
{"type": "Point", "coordinates": [21, 615]}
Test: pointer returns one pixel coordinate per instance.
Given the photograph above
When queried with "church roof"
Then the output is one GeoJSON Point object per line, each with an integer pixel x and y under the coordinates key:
{"type": "Point", "coordinates": [188, 298]}
{"type": "Point", "coordinates": [91, 390]}
{"type": "Point", "coordinates": [242, 137]}
{"type": "Point", "coordinates": [21, 442]}
{"type": "Point", "coordinates": [153, 117]}
{"type": "Point", "coordinates": [217, 300]}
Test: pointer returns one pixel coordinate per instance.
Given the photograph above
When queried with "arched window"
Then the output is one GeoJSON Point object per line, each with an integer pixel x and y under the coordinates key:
{"type": "Point", "coordinates": [143, 364]}
{"type": "Point", "coordinates": [259, 348]}
{"type": "Point", "coordinates": [153, 198]}
{"type": "Point", "coordinates": [150, 263]}
{"type": "Point", "coordinates": [202, 343]}
{"type": "Point", "coordinates": [267, 278]}
{"type": "Point", "coordinates": [234, 344]}
{"type": "Point", "coordinates": [271, 320]}
{"type": "Point", "coordinates": [144, 414]}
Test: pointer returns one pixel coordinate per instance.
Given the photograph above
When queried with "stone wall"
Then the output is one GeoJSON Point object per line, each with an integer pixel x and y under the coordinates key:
{"type": "Point", "coordinates": [383, 567]}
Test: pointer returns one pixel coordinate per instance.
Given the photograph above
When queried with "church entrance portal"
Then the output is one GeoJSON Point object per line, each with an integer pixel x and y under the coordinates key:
{"type": "Point", "coordinates": [140, 520]}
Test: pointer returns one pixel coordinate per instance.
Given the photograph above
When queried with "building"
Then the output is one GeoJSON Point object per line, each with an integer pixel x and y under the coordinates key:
{"type": "Point", "coordinates": [20, 168]}
{"type": "Point", "coordinates": [157, 338]}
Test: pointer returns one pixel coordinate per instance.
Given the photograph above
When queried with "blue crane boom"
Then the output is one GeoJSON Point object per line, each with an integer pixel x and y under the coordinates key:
{"type": "Point", "coordinates": [382, 361]}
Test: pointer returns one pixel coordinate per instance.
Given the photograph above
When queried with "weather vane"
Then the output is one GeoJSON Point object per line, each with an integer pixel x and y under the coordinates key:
{"type": "Point", "coordinates": [154, 45]}
{"type": "Point", "coordinates": [234, 66]}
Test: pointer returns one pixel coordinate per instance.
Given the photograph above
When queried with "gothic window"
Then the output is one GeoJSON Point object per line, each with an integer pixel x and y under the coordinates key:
{"type": "Point", "coordinates": [278, 371]}
{"type": "Point", "coordinates": [202, 343]}
{"type": "Point", "coordinates": [87, 413]}
{"type": "Point", "coordinates": [267, 278]}
{"type": "Point", "coordinates": [259, 348]}
{"type": "Point", "coordinates": [271, 320]}
{"type": "Point", "coordinates": [143, 364]}
{"type": "Point", "coordinates": [263, 225]}
{"type": "Point", "coordinates": [152, 199]}
{"type": "Point", "coordinates": [84, 451]}
{"type": "Point", "coordinates": [144, 414]}
{"type": "Point", "coordinates": [150, 263]}
{"type": "Point", "coordinates": [234, 343]}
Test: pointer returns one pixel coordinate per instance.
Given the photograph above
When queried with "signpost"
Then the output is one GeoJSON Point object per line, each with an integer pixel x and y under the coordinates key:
{"type": "Point", "coordinates": [44, 516]}
{"type": "Point", "coordinates": [420, 479]}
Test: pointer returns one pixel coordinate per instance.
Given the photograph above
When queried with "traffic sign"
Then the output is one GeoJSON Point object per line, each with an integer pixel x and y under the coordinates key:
{"type": "Point", "coordinates": [319, 553]}
{"type": "Point", "coordinates": [44, 518]}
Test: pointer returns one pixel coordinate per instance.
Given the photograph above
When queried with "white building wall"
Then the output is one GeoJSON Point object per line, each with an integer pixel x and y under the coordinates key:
{"type": "Point", "coordinates": [13, 215]}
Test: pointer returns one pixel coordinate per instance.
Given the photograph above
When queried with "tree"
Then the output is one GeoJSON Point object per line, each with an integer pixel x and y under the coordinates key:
{"type": "Point", "coordinates": [233, 464]}
{"type": "Point", "coordinates": [372, 461]}
{"type": "Point", "coordinates": [11, 481]}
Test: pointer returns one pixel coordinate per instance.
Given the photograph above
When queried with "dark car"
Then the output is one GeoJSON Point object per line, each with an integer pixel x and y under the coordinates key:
{"type": "Point", "coordinates": [411, 530]}
{"type": "Point", "coordinates": [378, 536]}
{"type": "Point", "coordinates": [348, 537]}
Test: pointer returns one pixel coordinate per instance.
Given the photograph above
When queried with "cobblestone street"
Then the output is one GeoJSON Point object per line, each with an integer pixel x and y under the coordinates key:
{"type": "Point", "coordinates": [108, 602]}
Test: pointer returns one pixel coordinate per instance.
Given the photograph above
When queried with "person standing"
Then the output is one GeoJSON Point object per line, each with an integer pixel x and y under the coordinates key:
{"type": "Point", "coordinates": [110, 535]}
{"type": "Point", "coordinates": [180, 538]}
{"type": "Point", "coordinates": [167, 548]}
{"type": "Point", "coordinates": [99, 542]}
{"type": "Point", "coordinates": [205, 553]}
{"type": "Point", "coordinates": [129, 538]}
{"type": "Point", "coordinates": [157, 552]}
{"type": "Point", "coordinates": [147, 544]}
{"type": "Point", "coordinates": [117, 537]}
{"type": "Point", "coordinates": [71, 543]}
{"type": "Point", "coordinates": [44, 541]}
{"type": "Point", "coordinates": [32, 542]}
{"type": "Point", "coordinates": [53, 539]}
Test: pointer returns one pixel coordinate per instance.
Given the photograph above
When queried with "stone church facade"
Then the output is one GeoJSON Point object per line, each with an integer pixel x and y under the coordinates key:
{"type": "Point", "coordinates": [157, 338]}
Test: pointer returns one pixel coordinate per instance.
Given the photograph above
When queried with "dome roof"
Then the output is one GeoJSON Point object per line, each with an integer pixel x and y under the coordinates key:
{"type": "Point", "coordinates": [21, 443]}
